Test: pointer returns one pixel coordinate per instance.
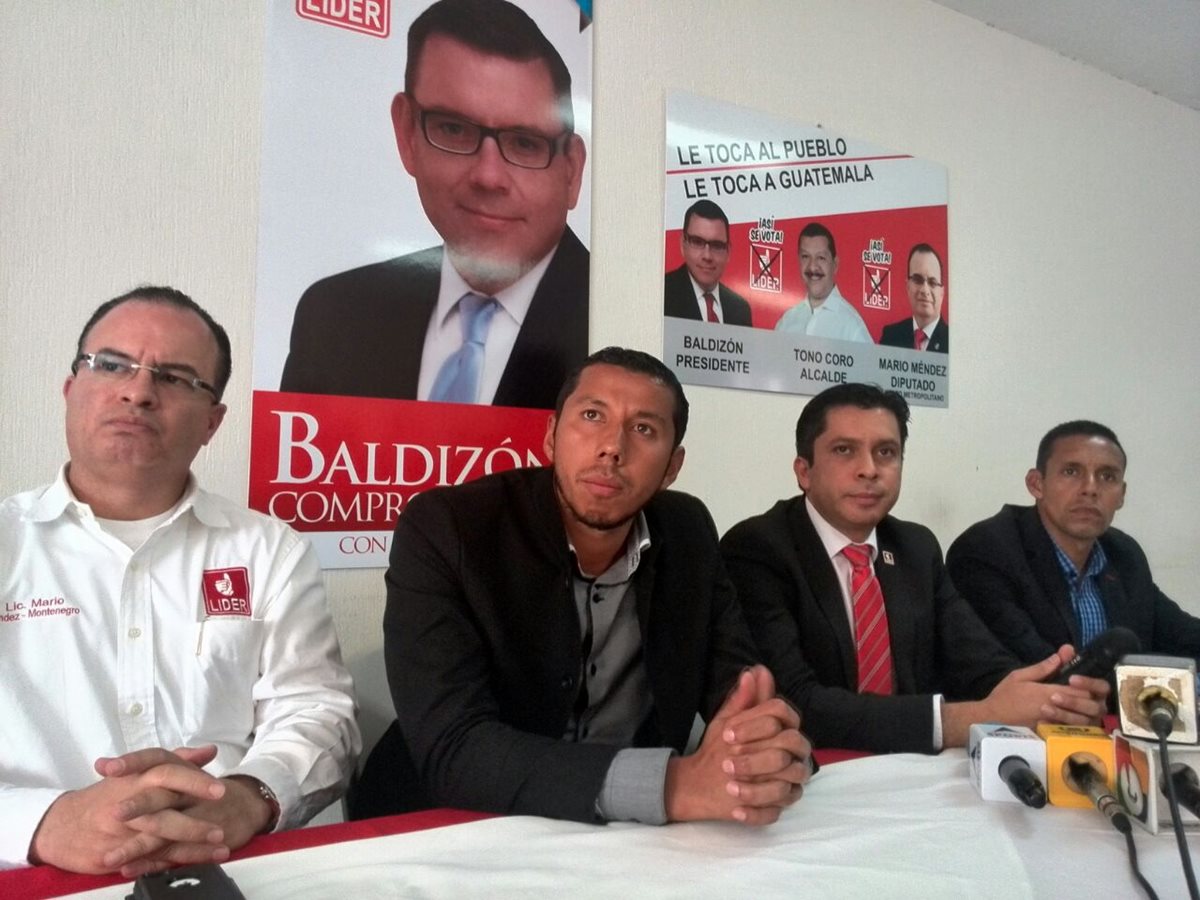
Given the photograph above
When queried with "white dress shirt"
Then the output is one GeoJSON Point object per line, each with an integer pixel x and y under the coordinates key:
{"type": "Point", "coordinates": [214, 631]}
{"type": "Point", "coordinates": [835, 319]}
{"type": "Point", "coordinates": [444, 336]}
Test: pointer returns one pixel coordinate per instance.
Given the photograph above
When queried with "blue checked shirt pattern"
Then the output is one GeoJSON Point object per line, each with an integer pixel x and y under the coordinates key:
{"type": "Point", "coordinates": [1085, 592]}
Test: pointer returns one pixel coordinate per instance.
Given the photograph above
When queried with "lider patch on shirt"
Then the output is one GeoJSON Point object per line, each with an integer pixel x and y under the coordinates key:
{"type": "Point", "coordinates": [226, 592]}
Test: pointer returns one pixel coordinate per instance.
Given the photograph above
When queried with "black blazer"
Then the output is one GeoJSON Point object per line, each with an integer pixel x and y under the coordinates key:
{"type": "Point", "coordinates": [792, 602]}
{"type": "Point", "coordinates": [679, 300]}
{"type": "Point", "coordinates": [900, 334]}
{"type": "Point", "coordinates": [1007, 569]}
{"type": "Point", "coordinates": [484, 653]}
{"type": "Point", "coordinates": [360, 333]}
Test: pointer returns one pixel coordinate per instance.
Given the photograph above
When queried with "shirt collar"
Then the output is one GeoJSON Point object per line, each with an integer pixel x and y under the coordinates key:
{"type": "Point", "coordinates": [832, 539]}
{"type": "Point", "coordinates": [626, 564]}
{"type": "Point", "coordinates": [513, 300]}
{"type": "Point", "coordinates": [1097, 561]}
{"type": "Point", "coordinates": [58, 499]}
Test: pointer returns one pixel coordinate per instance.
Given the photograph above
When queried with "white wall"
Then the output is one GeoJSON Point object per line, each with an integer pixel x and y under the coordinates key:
{"type": "Point", "coordinates": [131, 134]}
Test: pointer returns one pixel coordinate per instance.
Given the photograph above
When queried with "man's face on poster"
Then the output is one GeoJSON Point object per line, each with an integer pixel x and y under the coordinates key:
{"type": "Point", "coordinates": [818, 266]}
{"type": "Point", "coordinates": [705, 250]}
{"type": "Point", "coordinates": [926, 290]}
{"type": "Point", "coordinates": [496, 218]}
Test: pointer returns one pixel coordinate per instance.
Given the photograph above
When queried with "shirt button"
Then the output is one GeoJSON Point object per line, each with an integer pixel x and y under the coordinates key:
{"type": "Point", "coordinates": [135, 632]}
{"type": "Point", "coordinates": [135, 709]}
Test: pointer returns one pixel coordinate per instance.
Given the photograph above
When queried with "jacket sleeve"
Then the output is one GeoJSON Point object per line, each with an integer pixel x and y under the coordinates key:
{"type": "Point", "coordinates": [995, 587]}
{"type": "Point", "coordinates": [444, 688]}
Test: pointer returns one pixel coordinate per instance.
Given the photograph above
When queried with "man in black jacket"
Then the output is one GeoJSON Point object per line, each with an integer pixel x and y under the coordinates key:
{"type": "Point", "coordinates": [551, 634]}
{"type": "Point", "coordinates": [1057, 571]}
{"type": "Point", "coordinates": [854, 612]}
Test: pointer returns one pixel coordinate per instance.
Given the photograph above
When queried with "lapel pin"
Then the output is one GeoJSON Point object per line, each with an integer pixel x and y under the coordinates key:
{"type": "Point", "coordinates": [889, 558]}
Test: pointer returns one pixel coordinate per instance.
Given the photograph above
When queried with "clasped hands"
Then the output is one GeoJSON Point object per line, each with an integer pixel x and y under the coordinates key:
{"type": "Point", "coordinates": [751, 764]}
{"type": "Point", "coordinates": [152, 809]}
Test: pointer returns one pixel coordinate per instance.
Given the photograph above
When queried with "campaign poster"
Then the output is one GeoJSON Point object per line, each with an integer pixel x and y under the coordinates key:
{"type": "Point", "coordinates": [424, 248]}
{"type": "Point", "coordinates": [796, 258]}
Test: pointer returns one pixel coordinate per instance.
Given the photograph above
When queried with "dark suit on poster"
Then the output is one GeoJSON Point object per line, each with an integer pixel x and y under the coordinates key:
{"type": "Point", "coordinates": [900, 334]}
{"type": "Point", "coordinates": [1007, 569]}
{"type": "Point", "coordinates": [483, 648]}
{"type": "Point", "coordinates": [679, 300]}
{"type": "Point", "coordinates": [792, 602]}
{"type": "Point", "coordinates": [360, 333]}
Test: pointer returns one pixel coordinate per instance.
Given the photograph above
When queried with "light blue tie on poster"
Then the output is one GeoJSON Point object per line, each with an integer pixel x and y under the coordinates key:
{"type": "Point", "coordinates": [458, 379]}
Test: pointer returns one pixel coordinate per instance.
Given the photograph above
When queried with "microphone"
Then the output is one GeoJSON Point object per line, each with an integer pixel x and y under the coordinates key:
{"type": "Point", "coordinates": [1023, 782]}
{"type": "Point", "coordinates": [1086, 779]}
{"type": "Point", "coordinates": [1007, 762]}
{"type": "Point", "coordinates": [1187, 787]}
{"type": "Point", "coordinates": [1156, 697]}
{"type": "Point", "coordinates": [1099, 657]}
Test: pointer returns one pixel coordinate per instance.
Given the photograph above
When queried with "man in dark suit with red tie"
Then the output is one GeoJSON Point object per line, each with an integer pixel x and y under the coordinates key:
{"type": "Point", "coordinates": [926, 282]}
{"type": "Point", "coordinates": [853, 611]}
{"type": "Point", "coordinates": [694, 290]}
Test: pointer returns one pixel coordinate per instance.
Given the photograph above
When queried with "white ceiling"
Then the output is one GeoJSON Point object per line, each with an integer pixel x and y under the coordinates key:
{"type": "Point", "coordinates": [1154, 44]}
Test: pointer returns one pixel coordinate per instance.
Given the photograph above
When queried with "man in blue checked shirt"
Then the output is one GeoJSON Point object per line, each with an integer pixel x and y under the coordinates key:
{"type": "Point", "coordinates": [1057, 572]}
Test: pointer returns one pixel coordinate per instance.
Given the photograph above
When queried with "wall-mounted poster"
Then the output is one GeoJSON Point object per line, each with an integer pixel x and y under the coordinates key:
{"type": "Point", "coordinates": [797, 259]}
{"type": "Point", "coordinates": [423, 253]}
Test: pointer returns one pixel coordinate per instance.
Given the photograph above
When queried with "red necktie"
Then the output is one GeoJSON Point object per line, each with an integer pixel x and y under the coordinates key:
{"type": "Point", "coordinates": [870, 623]}
{"type": "Point", "coordinates": [919, 339]}
{"type": "Point", "coordinates": [712, 307]}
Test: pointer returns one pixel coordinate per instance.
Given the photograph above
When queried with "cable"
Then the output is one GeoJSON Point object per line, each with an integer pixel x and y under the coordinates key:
{"type": "Point", "coordinates": [1133, 864]}
{"type": "Point", "coordinates": [1185, 855]}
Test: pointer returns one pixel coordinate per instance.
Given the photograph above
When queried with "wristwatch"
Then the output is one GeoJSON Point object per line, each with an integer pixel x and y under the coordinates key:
{"type": "Point", "coordinates": [272, 801]}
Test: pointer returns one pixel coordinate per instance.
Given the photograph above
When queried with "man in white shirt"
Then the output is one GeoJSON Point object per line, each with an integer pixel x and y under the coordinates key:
{"type": "Point", "coordinates": [151, 628]}
{"type": "Point", "coordinates": [824, 313]}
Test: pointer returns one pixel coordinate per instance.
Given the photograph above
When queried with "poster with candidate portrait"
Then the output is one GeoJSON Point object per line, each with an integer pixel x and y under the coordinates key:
{"type": "Point", "coordinates": [423, 253]}
{"type": "Point", "coordinates": [796, 259]}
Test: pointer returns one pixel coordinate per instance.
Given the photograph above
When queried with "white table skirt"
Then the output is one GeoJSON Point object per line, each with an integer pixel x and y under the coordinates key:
{"type": "Point", "coordinates": [880, 827]}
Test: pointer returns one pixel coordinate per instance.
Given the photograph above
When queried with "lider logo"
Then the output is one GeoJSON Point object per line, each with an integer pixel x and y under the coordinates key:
{"type": "Point", "coordinates": [367, 16]}
{"type": "Point", "coordinates": [226, 592]}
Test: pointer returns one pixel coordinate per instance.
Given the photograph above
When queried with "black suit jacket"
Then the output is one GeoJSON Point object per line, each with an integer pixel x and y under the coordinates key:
{"type": "Point", "coordinates": [900, 334]}
{"type": "Point", "coordinates": [360, 333]}
{"type": "Point", "coordinates": [679, 300]}
{"type": "Point", "coordinates": [1007, 569]}
{"type": "Point", "coordinates": [789, 592]}
{"type": "Point", "coordinates": [484, 654]}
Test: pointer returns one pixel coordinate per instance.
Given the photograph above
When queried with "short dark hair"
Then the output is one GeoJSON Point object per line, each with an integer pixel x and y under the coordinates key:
{"type": "Point", "coordinates": [495, 27]}
{"type": "Point", "coordinates": [925, 248]}
{"type": "Point", "coordinates": [705, 209]}
{"type": "Point", "coordinates": [168, 296]}
{"type": "Point", "coordinates": [631, 361]}
{"type": "Point", "coordinates": [816, 229]}
{"type": "Point", "coordinates": [814, 416]}
{"type": "Point", "coordinates": [1077, 427]}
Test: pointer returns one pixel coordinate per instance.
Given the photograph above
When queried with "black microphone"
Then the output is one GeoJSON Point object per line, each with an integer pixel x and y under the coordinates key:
{"type": "Point", "coordinates": [1099, 657]}
{"type": "Point", "coordinates": [1091, 783]}
{"type": "Point", "coordinates": [1187, 787]}
{"type": "Point", "coordinates": [1022, 781]}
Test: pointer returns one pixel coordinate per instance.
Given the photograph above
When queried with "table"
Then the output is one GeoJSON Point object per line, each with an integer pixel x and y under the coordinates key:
{"type": "Point", "coordinates": [879, 827]}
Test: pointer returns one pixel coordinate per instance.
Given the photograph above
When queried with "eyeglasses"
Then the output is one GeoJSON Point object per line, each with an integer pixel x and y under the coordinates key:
{"type": "Point", "coordinates": [921, 281]}
{"type": "Point", "coordinates": [117, 367]}
{"type": "Point", "coordinates": [699, 243]}
{"type": "Point", "coordinates": [525, 149]}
